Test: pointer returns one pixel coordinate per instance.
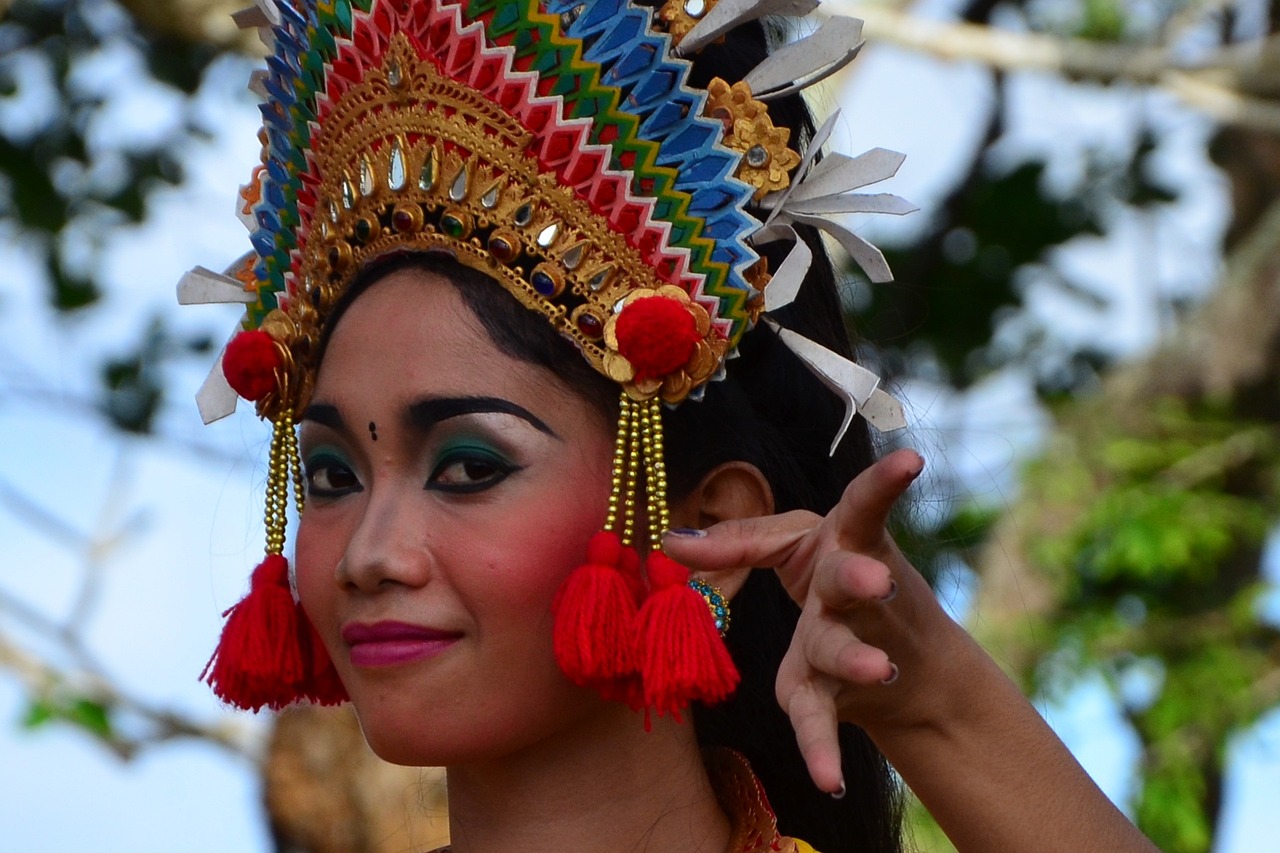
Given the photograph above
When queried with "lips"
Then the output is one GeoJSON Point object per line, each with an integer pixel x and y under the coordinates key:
{"type": "Point", "coordinates": [391, 643]}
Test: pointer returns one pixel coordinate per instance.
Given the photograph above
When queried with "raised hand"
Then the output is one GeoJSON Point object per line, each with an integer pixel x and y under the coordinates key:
{"type": "Point", "coordinates": [866, 612]}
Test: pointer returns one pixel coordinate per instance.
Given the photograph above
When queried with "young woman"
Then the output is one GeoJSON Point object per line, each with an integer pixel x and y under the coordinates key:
{"type": "Point", "coordinates": [450, 291]}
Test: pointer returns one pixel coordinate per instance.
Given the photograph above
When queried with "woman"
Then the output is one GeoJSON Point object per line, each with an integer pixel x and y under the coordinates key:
{"type": "Point", "coordinates": [474, 224]}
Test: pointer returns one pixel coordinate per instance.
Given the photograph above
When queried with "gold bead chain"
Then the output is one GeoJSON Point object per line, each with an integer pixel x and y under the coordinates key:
{"type": "Point", "coordinates": [295, 466]}
{"type": "Point", "coordinates": [619, 463]}
{"type": "Point", "coordinates": [655, 472]}
{"type": "Point", "coordinates": [284, 465]}
{"type": "Point", "coordinates": [633, 470]}
{"type": "Point", "coordinates": [659, 515]}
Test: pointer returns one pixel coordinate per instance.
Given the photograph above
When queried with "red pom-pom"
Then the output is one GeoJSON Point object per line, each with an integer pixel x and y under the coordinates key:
{"type": "Point", "coordinates": [250, 364]}
{"type": "Point", "coordinates": [683, 658]}
{"type": "Point", "coordinates": [657, 334]}
{"type": "Point", "coordinates": [269, 654]}
{"type": "Point", "coordinates": [595, 613]}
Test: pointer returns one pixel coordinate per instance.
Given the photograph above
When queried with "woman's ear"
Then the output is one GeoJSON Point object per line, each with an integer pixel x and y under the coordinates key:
{"type": "Point", "coordinates": [730, 491]}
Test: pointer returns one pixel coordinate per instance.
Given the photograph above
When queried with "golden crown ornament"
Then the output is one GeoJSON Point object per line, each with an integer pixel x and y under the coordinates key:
{"type": "Point", "coordinates": [558, 148]}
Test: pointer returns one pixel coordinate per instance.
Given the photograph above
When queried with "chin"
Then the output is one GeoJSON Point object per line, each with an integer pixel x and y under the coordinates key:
{"type": "Point", "coordinates": [433, 734]}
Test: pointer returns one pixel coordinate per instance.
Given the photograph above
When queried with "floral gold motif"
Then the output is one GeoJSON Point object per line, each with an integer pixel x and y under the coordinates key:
{"type": "Point", "coordinates": [681, 16]}
{"type": "Point", "coordinates": [767, 161]}
{"type": "Point", "coordinates": [674, 387]}
{"type": "Point", "coordinates": [757, 275]}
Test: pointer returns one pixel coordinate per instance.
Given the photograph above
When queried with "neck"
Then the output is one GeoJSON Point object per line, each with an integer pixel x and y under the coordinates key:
{"type": "Point", "coordinates": [608, 786]}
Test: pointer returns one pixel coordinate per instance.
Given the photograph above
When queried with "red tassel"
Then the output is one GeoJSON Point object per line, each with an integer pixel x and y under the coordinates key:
{"type": "Point", "coordinates": [269, 654]}
{"type": "Point", "coordinates": [683, 658]}
{"type": "Point", "coordinates": [595, 613]}
{"type": "Point", "coordinates": [258, 661]}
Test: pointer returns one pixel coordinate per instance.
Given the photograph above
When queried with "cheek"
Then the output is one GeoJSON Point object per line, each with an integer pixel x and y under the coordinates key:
{"type": "Point", "coordinates": [316, 556]}
{"type": "Point", "coordinates": [521, 558]}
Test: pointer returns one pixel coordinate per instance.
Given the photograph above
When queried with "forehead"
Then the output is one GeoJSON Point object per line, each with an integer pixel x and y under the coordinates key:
{"type": "Point", "coordinates": [411, 334]}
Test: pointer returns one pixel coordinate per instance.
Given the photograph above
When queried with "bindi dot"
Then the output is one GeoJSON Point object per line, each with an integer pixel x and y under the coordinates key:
{"type": "Point", "coordinates": [373, 430]}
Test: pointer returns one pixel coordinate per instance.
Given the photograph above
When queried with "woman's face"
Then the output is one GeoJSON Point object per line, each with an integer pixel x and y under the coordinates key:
{"type": "Point", "coordinates": [451, 488]}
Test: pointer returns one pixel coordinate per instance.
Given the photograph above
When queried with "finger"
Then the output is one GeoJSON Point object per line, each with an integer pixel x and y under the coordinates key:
{"type": "Point", "coordinates": [844, 580]}
{"type": "Point", "coordinates": [831, 648]}
{"type": "Point", "coordinates": [741, 543]}
{"type": "Point", "coordinates": [864, 507]}
{"type": "Point", "coordinates": [813, 717]}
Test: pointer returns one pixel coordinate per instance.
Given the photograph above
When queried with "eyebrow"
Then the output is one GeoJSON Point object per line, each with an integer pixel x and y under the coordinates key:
{"type": "Point", "coordinates": [325, 415]}
{"type": "Point", "coordinates": [426, 413]}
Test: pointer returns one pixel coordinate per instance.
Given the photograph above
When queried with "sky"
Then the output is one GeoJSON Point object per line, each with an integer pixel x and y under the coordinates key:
{"type": "Point", "coordinates": [191, 521]}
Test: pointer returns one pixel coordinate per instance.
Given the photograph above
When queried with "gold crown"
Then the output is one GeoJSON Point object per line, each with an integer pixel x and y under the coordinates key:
{"type": "Point", "coordinates": [411, 159]}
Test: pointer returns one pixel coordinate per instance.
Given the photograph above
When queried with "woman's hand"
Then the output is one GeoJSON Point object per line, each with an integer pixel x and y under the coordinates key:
{"type": "Point", "coordinates": [867, 614]}
{"type": "Point", "coordinates": [873, 647]}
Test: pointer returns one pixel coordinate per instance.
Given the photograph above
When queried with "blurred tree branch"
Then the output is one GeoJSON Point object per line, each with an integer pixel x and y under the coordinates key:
{"type": "Point", "coordinates": [1235, 84]}
{"type": "Point", "coordinates": [54, 690]}
{"type": "Point", "coordinates": [198, 22]}
{"type": "Point", "coordinates": [81, 691]}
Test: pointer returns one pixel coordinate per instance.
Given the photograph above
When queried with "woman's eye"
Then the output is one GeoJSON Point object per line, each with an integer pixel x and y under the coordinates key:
{"type": "Point", "coordinates": [471, 471]}
{"type": "Point", "coordinates": [328, 477]}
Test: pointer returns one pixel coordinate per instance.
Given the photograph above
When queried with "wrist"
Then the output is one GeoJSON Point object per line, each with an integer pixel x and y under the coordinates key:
{"type": "Point", "coordinates": [946, 686]}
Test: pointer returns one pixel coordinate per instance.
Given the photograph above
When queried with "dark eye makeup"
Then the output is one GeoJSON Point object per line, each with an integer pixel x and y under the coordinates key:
{"type": "Point", "coordinates": [464, 466]}
{"type": "Point", "coordinates": [469, 466]}
{"type": "Point", "coordinates": [329, 475]}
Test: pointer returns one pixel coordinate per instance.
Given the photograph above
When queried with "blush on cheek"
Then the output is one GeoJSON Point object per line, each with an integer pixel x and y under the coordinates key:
{"type": "Point", "coordinates": [316, 588]}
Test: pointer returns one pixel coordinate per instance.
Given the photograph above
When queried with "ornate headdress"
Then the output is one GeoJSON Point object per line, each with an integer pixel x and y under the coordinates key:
{"type": "Point", "coordinates": [559, 148]}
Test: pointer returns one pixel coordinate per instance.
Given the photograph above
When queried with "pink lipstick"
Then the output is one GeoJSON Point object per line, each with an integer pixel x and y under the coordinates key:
{"type": "Point", "coordinates": [391, 643]}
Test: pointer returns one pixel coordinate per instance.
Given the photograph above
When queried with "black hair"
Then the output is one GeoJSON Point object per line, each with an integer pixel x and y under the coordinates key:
{"type": "Point", "coordinates": [769, 411]}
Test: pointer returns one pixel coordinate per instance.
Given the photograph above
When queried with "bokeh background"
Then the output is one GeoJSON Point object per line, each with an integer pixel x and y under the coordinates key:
{"type": "Point", "coordinates": [1085, 327]}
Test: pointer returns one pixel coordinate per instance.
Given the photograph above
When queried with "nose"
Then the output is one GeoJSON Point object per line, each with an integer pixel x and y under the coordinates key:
{"type": "Point", "coordinates": [388, 548]}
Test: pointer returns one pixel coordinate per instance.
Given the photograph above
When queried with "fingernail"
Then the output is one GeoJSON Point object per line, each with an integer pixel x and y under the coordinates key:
{"type": "Point", "coordinates": [839, 795]}
{"type": "Point", "coordinates": [892, 676]}
{"type": "Point", "coordinates": [919, 465]}
{"type": "Point", "coordinates": [690, 532]}
{"type": "Point", "coordinates": [892, 593]}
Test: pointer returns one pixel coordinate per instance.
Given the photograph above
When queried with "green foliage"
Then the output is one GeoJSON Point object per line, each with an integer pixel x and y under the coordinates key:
{"type": "Point", "coordinates": [81, 712]}
{"type": "Point", "coordinates": [1149, 528]}
{"type": "Point", "coordinates": [1209, 691]}
{"type": "Point", "coordinates": [1102, 20]}
{"type": "Point", "coordinates": [52, 177]}
{"type": "Point", "coordinates": [54, 180]}
{"type": "Point", "coordinates": [949, 288]}
{"type": "Point", "coordinates": [922, 832]}
{"type": "Point", "coordinates": [1154, 536]}
{"type": "Point", "coordinates": [1170, 806]}
{"type": "Point", "coordinates": [133, 393]}
{"type": "Point", "coordinates": [133, 386]}
{"type": "Point", "coordinates": [1158, 519]}
{"type": "Point", "coordinates": [960, 280]}
{"type": "Point", "coordinates": [934, 550]}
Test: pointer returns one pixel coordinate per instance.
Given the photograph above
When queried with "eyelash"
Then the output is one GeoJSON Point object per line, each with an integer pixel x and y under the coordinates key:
{"type": "Point", "coordinates": [329, 463]}
{"type": "Point", "coordinates": [498, 469]}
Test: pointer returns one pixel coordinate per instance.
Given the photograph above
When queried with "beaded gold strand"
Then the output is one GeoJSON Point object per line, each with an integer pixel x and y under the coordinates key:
{"type": "Point", "coordinates": [655, 470]}
{"type": "Point", "coordinates": [284, 465]}
{"type": "Point", "coordinates": [627, 453]}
